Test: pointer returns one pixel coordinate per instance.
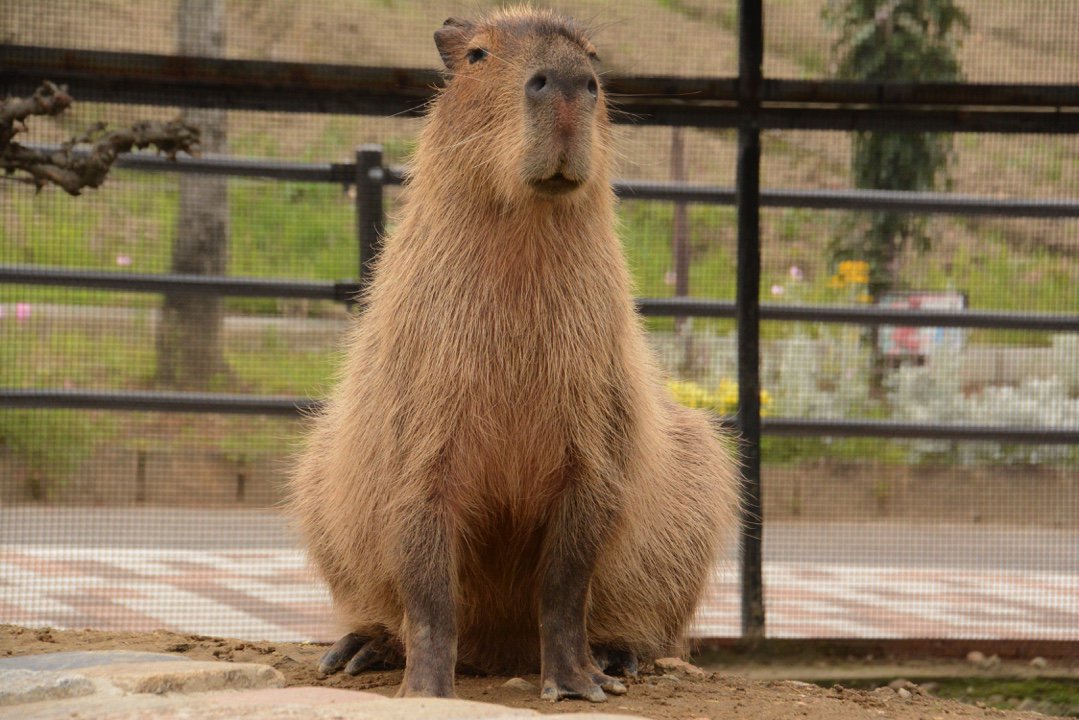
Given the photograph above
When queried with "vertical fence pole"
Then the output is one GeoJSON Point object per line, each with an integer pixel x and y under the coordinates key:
{"type": "Point", "coordinates": [370, 217]}
{"type": "Point", "coordinates": [750, 58]}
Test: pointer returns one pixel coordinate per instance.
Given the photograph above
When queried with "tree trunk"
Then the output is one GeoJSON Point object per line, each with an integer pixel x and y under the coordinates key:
{"type": "Point", "coordinates": [190, 350]}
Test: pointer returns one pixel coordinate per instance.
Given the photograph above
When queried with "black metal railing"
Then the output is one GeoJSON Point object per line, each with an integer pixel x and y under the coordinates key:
{"type": "Point", "coordinates": [369, 175]}
{"type": "Point", "coordinates": [776, 104]}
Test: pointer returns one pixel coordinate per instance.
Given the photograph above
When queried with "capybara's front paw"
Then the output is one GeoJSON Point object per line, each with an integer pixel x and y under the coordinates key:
{"type": "Point", "coordinates": [427, 682]}
{"type": "Point", "coordinates": [580, 684]}
{"type": "Point", "coordinates": [356, 653]}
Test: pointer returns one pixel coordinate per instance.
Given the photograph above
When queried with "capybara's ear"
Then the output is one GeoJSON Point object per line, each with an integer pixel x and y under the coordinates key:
{"type": "Point", "coordinates": [451, 38]}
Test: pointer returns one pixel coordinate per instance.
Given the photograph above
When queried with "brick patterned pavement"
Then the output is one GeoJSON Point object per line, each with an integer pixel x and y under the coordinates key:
{"type": "Point", "coordinates": [270, 594]}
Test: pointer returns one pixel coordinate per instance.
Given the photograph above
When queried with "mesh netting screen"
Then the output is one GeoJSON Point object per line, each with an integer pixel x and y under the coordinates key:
{"type": "Point", "coordinates": [129, 519]}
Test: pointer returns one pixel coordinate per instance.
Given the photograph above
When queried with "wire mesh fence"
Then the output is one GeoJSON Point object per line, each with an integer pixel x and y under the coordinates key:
{"type": "Point", "coordinates": [138, 519]}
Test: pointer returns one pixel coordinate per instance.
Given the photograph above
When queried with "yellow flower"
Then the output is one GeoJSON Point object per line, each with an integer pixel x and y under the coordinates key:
{"type": "Point", "coordinates": [690, 394]}
{"type": "Point", "coordinates": [724, 400]}
{"type": "Point", "coordinates": [854, 271]}
{"type": "Point", "coordinates": [766, 402]}
{"type": "Point", "coordinates": [836, 282]}
{"type": "Point", "coordinates": [727, 396]}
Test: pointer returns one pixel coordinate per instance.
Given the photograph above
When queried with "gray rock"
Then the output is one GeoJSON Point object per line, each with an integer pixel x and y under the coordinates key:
{"type": "Point", "coordinates": [1039, 663]}
{"type": "Point", "coordinates": [519, 684]}
{"type": "Point", "coordinates": [26, 686]}
{"type": "Point", "coordinates": [679, 666]}
{"type": "Point", "coordinates": [83, 659]}
{"type": "Point", "coordinates": [190, 677]}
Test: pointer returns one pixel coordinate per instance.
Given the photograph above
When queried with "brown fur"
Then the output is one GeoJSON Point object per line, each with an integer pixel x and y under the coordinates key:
{"type": "Point", "coordinates": [499, 366]}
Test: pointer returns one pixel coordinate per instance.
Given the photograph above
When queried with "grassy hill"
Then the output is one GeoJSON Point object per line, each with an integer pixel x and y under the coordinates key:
{"type": "Point", "coordinates": [1016, 264]}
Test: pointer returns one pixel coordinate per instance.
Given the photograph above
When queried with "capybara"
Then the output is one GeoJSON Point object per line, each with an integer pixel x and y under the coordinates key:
{"type": "Point", "coordinates": [501, 479]}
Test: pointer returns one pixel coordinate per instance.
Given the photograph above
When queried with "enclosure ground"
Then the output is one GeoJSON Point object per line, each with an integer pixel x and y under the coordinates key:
{"type": "Point", "coordinates": [744, 687]}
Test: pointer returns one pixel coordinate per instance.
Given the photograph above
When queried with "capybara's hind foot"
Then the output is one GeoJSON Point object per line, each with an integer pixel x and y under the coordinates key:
{"type": "Point", "coordinates": [356, 653]}
{"type": "Point", "coordinates": [615, 661]}
{"type": "Point", "coordinates": [584, 685]}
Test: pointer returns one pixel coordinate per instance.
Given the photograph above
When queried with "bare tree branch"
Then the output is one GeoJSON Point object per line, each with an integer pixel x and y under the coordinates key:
{"type": "Point", "coordinates": [74, 171]}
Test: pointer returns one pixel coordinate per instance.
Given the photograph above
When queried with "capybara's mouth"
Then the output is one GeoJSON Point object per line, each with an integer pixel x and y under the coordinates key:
{"type": "Point", "coordinates": [557, 184]}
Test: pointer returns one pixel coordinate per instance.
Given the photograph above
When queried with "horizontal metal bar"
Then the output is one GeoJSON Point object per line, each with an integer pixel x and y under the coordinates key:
{"type": "Point", "coordinates": [163, 401]}
{"type": "Point", "coordinates": [843, 92]}
{"type": "Point", "coordinates": [156, 402]}
{"type": "Point", "coordinates": [876, 315]}
{"type": "Point", "coordinates": [240, 167]}
{"type": "Point", "coordinates": [627, 89]}
{"type": "Point", "coordinates": [181, 81]}
{"type": "Point", "coordinates": [674, 191]}
{"type": "Point", "coordinates": [345, 173]}
{"type": "Point", "coordinates": [863, 315]}
{"type": "Point", "coordinates": [685, 307]}
{"type": "Point", "coordinates": [707, 102]}
{"type": "Point", "coordinates": [135, 282]}
{"type": "Point", "coordinates": [229, 165]}
{"type": "Point", "coordinates": [420, 82]}
{"type": "Point", "coordinates": [846, 119]}
{"type": "Point", "coordinates": [920, 202]}
{"type": "Point", "coordinates": [799, 427]}
{"type": "Point", "coordinates": [345, 291]}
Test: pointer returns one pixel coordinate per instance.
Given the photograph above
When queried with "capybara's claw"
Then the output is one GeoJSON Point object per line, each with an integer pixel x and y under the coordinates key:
{"type": "Point", "coordinates": [553, 691]}
{"type": "Point", "coordinates": [608, 683]}
{"type": "Point", "coordinates": [581, 684]}
{"type": "Point", "coordinates": [356, 653]}
{"type": "Point", "coordinates": [340, 653]}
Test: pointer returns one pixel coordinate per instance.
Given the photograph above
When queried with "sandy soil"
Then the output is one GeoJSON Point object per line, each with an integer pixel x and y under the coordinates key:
{"type": "Point", "coordinates": [719, 695]}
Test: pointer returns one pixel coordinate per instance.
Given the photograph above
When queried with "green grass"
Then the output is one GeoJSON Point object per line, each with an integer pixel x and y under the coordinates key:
{"type": "Point", "coordinates": [786, 451]}
{"type": "Point", "coordinates": [1049, 696]}
{"type": "Point", "coordinates": [75, 358]}
{"type": "Point", "coordinates": [278, 230]}
{"type": "Point", "coordinates": [1053, 696]}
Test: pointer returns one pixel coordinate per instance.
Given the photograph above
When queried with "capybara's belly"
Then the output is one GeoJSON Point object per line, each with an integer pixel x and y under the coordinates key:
{"type": "Point", "coordinates": [498, 612]}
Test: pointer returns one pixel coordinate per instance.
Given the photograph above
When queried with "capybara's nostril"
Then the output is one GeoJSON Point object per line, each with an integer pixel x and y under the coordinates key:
{"type": "Point", "coordinates": [568, 84]}
{"type": "Point", "coordinates": [536, 87]}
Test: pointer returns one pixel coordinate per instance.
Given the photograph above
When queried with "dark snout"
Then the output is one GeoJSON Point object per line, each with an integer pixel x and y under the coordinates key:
{"type": "Point", "coordinates": [561, 108]}
{"type": "Point", "coordinates": [571, 86]}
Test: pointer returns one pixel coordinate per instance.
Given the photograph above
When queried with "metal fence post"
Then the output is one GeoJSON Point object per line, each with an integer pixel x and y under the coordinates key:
{"type": "Point", "coordinates": [750, 58]}
{"type": "Point", "coordinates": [370, 216]}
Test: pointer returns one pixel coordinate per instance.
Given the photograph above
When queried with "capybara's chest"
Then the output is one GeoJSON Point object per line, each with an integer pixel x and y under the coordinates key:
{"type": "Point", "coordinates": [510, 374]}
{"type": "Point", "coordinates": [527, 340]}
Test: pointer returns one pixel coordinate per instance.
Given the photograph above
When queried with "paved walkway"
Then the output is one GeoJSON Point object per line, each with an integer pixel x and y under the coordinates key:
{"type": "Point", "coordinates": [871, 581]}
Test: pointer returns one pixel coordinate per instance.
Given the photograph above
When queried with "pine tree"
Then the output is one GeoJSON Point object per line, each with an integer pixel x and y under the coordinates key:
{"type": "Point", "coordinates": [894, 41]}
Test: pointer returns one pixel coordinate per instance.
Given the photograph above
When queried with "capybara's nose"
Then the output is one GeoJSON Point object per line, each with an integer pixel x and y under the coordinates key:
{"type": "Point", "coordinates": [570, 84]}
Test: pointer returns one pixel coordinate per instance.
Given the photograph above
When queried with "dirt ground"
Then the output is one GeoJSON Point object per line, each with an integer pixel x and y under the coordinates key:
{"type": "Point", "coordinates": [727, 691]}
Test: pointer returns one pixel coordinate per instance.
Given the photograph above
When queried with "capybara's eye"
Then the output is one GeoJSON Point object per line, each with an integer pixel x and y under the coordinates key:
{"type": "Point", "coordinates": [593, 87]}
{"type": "Point", "coordinates": [476, 54]}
